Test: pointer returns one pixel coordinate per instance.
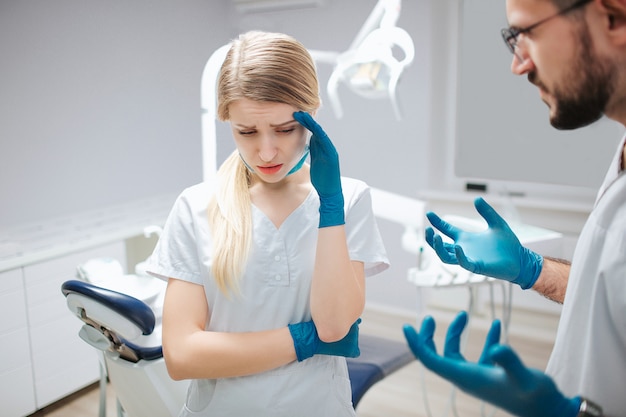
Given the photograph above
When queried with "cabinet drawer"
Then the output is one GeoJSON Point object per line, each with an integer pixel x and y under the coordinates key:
{"type": "Point", "coordinates": [17, 394]}
{"type": "Point", "coordinates": [16, 373]}
{"type": "Point", "coordinates": [12, 301]}
{"type": "Point", "coordinates": [14, 350]}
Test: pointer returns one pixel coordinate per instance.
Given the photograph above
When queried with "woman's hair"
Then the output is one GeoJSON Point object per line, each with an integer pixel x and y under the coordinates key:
{"type": "Point", "coordinates": [260, 66]}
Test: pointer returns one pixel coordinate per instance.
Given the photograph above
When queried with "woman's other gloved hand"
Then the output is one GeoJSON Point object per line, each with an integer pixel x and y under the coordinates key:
{"type": "Point", "coordinates": [495, 252]}
{"type": "Point", "coordinates": [325, 174]}
{"type": "Point", "coordinates": [307, 343]}
{"type": "Point", "coordinates": [499, 377]}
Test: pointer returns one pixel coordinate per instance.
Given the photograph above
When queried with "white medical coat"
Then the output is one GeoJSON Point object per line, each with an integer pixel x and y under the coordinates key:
{"type": "Point", "coordinates": [275, 289]}
{"type": "Point", "coordinates": [589, 355]}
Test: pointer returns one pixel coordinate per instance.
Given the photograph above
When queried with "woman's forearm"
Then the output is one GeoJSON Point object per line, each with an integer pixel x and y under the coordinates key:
{"type": "Point", "coordinates": [209, 355]}
{"type": "Point", "coordinates": [192, 352]}
{"type": "Point", "coordinates": [338, 287]}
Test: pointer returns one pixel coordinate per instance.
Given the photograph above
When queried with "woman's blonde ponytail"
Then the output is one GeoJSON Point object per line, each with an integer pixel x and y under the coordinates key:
{"type": "Point", "coordinates": [230, 220]}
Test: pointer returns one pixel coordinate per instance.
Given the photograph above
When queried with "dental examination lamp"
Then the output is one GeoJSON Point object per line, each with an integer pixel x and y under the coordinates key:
{"type": "Point", "coordinates": [369, 67]}
{"type": "Point", "coordinates": [208, 102]}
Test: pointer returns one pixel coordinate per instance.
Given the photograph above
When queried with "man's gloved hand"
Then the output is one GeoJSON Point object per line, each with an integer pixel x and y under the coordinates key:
{"type": "Point", "coordinates": [307, 343]}
{"type": "Point", "coordinates": [495, 252]}
{"type": "Point", "coordinates": [324, 172]}
{"type": "Point", "coordinates": [499, 377]}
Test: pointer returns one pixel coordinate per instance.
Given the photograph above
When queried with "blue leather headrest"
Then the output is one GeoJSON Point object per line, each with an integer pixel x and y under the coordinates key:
{"type": "Point", "coordinates": [136, 311]}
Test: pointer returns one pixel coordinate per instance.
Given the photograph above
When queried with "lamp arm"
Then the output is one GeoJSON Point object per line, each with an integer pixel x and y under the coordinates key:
{"type": "Point", "coordinates": [209, 112]}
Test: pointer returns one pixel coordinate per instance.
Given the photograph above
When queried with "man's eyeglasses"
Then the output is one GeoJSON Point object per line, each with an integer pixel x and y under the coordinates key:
{"type": "Point", "coordinates": [510, 35]}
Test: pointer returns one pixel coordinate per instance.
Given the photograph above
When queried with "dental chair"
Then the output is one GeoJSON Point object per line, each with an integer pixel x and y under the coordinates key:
{"type": "Point", "coordinates": [380, 357]}
{"type": "Point", "coordinates": [122, 328]}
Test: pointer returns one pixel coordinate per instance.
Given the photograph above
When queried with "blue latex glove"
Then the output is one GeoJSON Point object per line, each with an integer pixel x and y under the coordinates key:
{"type": "Point", "coordinates": [495, 252]}
{"type": "Point", "coordinates": [499, 377]}
{"type": "Point", "coordinates": [324, 172]}
{"type": "Point", "coordinates": [307, 343]}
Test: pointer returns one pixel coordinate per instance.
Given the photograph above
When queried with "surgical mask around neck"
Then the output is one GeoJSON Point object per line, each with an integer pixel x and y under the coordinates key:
{"type": "Point", "coordinates": [305, 154]}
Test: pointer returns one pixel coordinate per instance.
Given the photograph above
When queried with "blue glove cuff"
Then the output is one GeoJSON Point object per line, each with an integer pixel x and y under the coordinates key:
{"type": "Point", "coordinates": [572, 407]}
{"type": "Point", "coordinates": [332, 211]}
{"type": "Point", "coordinates": [532, 263]}
{"type": "Point", "coordinates": [305, 339]}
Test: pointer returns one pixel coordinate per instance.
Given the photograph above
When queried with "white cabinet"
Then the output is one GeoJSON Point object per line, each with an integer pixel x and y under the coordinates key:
{"type": "Point", "coordinates": [17, 394]}
{"type": "Point", "coordinates": [62, 362]}
{"type": "Point", "coordinates": [42, 357]}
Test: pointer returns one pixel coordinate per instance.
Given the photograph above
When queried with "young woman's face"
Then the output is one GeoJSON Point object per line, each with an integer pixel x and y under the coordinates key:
{"type": "Point", "coordinates": [270, 141]}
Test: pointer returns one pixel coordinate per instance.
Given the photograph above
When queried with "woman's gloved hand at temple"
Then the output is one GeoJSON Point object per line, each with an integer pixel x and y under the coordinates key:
{"type": "Point", "coordinates": [325, 174]}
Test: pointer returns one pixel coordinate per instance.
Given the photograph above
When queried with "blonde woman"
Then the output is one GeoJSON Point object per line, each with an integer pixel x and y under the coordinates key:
{"type": "Point", "coordinates": [266, 267]}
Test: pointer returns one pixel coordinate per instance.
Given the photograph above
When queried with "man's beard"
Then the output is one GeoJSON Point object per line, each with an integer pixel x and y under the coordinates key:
{"type": "Point", "coordinates": [589, 85]}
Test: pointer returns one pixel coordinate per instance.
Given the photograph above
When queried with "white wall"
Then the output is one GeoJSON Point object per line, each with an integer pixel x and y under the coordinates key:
{"type": "Point", "coordinates": [100, 101]}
